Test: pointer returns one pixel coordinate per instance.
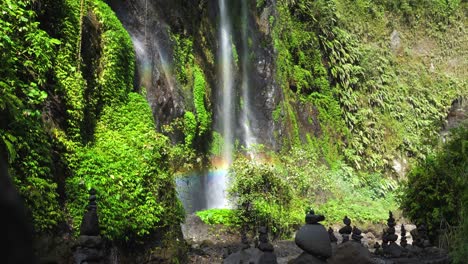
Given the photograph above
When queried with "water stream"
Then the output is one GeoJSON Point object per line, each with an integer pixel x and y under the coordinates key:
{"type": "Point", "coordinates": [246, 115]}
{"type": "Point", "coordinates": [225, 71]}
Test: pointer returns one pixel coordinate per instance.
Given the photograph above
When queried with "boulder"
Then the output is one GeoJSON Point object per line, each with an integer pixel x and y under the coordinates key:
{"type": "Point", "coordinates": [306, 258]}
{"type": "Point", "coordinates": [351, 252]}
{"type": "Point", "coordinates": [314, 239]}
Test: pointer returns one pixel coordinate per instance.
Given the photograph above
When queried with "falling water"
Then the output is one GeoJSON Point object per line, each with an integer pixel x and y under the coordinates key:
{"type": "Point", "coordinates": [249, 138]}
{"type": "Point", "coordinates": [144, 67]}
{"type": "Point", "coordinates": [216, 196]}
{"type": "Point", "coordinates": [226, 82]}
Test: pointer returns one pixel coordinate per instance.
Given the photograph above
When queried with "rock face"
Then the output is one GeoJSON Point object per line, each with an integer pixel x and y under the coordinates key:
{"type": "Point", "coordinates": [145, 22]}
{"type": "Point", "coordinates": [16, 229]}
{"type": "Point", "coordinates": [151, 25]}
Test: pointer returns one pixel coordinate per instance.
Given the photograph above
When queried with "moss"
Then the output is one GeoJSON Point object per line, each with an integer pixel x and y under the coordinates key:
{"type": "Point", "coordinates": [235, 55]}
{"type": "Point", "coordinates": [199, 94]}
{"type": "Point", "coordinates": [128, 166]}
{"type": "Point", "coordinates": [190, 127]}
{"type": "Point", "coordinates": [118, 58]}
{"type": "Point", "coordinates": [277, 113]}
{"type": "Point", "coordinates": [217, 143]}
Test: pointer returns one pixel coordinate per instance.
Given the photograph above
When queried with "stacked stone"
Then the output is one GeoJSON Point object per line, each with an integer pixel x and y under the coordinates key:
{"type": "Point", "coordinates": [314, 239]}
{"type": "Point", "coordinates": [263, 254]}
{"type": "Point", "coordinates": [346, 230]}
{"type": "Point", "coordinates": [390, 248]}
{"type": "Point", "coordinates": [244, 255]}
{"type": "Point", "coordinates": [377, 249]}
{"type": "Point", "coordinates": [266, 256]}
{"type": "Point", "coordinates": [356, 235]}
{"type": "Point", "coordinates": [90, 248]}
{"type": "Point", "coordinates": [353, 250]}
{"type": "Point", "coordinates": [390, 235]}
{"type": "Point", "coordinates": [403, 241]}
{"type": "Point", "coordinates": [420, 237]}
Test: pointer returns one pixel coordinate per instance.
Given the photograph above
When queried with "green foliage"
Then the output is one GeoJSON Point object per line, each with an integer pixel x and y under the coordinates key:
{"type": "Point", "coordinates": [330, 57]}
{"type": "Point", "coordinates": [460, 248]}
{"type": "Point", "coordinates": [300, 66]}
{"type": "Point", "coordinates": [264, 197]}
{"type": "Point", "coordinates": [435, 187]}
{"type": "Point", "coordinates": [190, 127]}
{"type": "Point", "coordinates": [183, 58]}
{"type": "Point", "coordinates": [26, 58]}
{"type": "Point", "coordinates": [193, 81]}
{"type": "Point", "coordinates": [117, 61]}
{"type": "Point", "coordinates": [435, 11]}
{"type": "Point", "coordinates": [199, 93]}
{"type": "Point", "coordinates": [276, 195]}
{"type": "Point", "coordinates": [227, 217]}
{"type": "Point", "coordinates": [25, 62]}
{"type": "Point", "coordinates": [127, 165]}
{"type": "Point", "coordinates": [360, 208]}
{"type": "Point", "coordinates": [216, 147]}
{"type": "Point", "coordinates": [69, 79]}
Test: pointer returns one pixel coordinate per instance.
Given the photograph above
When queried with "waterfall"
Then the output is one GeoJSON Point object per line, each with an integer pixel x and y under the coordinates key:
{"type": "Point", "coordinates": [246, 115]}
{"type": "Point", "coordinates": [216, 196]}
{"type": "Point", "coordinates": [227, 111]}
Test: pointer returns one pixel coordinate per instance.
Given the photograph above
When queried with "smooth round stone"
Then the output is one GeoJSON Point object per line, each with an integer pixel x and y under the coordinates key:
{"type": "Point", "coordinates": [314, 240]}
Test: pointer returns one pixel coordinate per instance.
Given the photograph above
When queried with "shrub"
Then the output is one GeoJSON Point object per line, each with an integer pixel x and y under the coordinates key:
{"type": "Point", "coordinates": [127, 165]}
{"type": "Point", "coordinates": [435, 187]}
{"type": "Point", "coordinates": [226, 217]}
{"type": "Point", "coordinates": [264, 197]}
{"type": "Point", "coordinates": [26, 59]}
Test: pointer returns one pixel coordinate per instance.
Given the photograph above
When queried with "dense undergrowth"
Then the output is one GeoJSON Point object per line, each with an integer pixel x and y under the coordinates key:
{"type": "Point", "coordinates": [364, 84]}
{"type": "Point", "coordinates": [70, 123]}
{"type": "Point", "coordinates": [437, 189]}
{"type": "Point", "coordinates": [380, 91]}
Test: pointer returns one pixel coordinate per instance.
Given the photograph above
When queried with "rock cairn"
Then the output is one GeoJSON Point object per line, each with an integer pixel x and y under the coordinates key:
{"type": "Point", "coordinates": [403, 241]}
{"type": "Point", "coordinates": [356, 234]}
{"type": "Point", "coordinates": [314, 239]}
{"type": "Point", "coordinates": [390, 236]}
{"type": "Point", "coordinates": [390, 247]}
{"type": "Point", "coordinates": [90, 247]}
{"type": "Point", "coordinates": [420, 237]}
{"type": "Point", "coordinates": [263, 254]}
{"type": "Point", "coordinates": [346, 230]}
{"type": "Point", "coordinates": [266, 256]}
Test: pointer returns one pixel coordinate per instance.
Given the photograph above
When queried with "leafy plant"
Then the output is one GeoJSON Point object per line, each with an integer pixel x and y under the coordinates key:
{"type": "Point", "coordinates": [435, 187]}
{"type": "Point", "coordinates": [227, 217]}
{"type": "Point", "coordinates": [128, 166]}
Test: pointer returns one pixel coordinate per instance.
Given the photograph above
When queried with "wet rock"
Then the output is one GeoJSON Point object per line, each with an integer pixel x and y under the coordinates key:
{"type": "Point", "coordinates": [306, 258]}
{"type": "Point", "coordinates": [351, 253]}
{"type": "Point", "coordinates": [393, 250]}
